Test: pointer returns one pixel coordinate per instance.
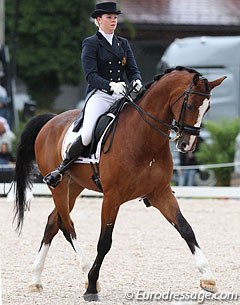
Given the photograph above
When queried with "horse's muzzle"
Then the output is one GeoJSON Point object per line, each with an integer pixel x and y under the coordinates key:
{"type": "Point", "coordinates": [181, 145]}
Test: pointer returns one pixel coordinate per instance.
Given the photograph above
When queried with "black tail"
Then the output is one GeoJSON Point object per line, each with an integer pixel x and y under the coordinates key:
{"type": "Point", "coordinates": [25, 164]}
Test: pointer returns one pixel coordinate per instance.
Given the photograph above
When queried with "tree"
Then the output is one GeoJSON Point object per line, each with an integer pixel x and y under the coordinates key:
{"type": "Point", "coordinates": [49, 38]}
{"type": "Point", "coordinates": [221, 148]}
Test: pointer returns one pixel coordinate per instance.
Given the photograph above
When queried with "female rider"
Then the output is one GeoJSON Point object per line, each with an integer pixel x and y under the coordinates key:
{"type": "Point", "coordinates": [108, 62]}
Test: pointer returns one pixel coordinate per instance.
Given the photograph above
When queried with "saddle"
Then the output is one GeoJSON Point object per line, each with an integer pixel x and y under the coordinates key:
{"type": "Point", "coordinates": [103, 121]}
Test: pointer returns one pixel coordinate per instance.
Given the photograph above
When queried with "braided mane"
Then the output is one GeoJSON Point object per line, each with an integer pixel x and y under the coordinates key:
{"type": "Point", "coordinates": [157, 77]}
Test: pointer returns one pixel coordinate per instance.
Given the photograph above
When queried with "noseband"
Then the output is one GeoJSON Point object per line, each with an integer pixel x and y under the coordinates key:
{"type": "Point", "coordinates": [179, 125]}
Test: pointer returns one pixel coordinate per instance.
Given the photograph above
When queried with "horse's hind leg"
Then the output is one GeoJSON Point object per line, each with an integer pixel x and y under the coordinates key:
{"type": "Point", "coordinates": [168, 206]}
{"type": "Point", "coordinates": [54, 223]}
{"type": "Point", "coordinates": [38, 265]}
{"type": "Point", "coordinates": [68, 194]}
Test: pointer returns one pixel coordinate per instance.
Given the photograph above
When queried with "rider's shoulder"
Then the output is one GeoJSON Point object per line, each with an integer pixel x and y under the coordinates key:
{"type": "Point", "coordinates": [122, 39]}
{"type": "Point", "coordinates": [91, 39]}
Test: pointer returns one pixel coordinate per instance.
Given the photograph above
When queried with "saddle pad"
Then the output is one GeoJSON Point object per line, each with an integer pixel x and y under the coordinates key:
{"type": "Point", "coordinates": [71, 136]}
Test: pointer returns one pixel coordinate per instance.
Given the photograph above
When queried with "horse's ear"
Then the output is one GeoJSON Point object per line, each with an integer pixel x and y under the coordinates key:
{"type": "Point", "coordinates": [195, 79]}
{"type": "Point", "coordinates": [216, 82]}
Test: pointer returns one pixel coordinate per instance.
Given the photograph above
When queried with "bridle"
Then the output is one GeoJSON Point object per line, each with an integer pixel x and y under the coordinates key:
{"type": "Point", "coordinates": [178, 127]}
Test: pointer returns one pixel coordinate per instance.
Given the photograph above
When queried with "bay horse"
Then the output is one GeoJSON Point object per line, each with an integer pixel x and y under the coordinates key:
{"type": "Point", "coordinates": [138, 165]}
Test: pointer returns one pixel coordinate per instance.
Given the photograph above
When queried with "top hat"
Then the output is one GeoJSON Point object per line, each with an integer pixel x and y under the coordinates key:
{"type": "Point", "coordinates": [105, 8]}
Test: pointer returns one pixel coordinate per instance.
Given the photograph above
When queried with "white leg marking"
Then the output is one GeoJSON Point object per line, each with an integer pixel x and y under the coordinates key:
{"type": "Point", "coordinates": [39, 264]}
{"type": "Point", "coordinates": [84, 262]}
{"type": "Point", "coordinates": [203, 265]}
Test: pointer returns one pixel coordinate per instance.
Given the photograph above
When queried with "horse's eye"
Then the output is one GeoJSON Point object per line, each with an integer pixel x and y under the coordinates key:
{"type": "Point", "coordinates": [189, 107]}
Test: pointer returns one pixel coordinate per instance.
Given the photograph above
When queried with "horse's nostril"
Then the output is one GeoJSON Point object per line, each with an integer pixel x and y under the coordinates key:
{"type": "Point", "coordinates": [183, 145]}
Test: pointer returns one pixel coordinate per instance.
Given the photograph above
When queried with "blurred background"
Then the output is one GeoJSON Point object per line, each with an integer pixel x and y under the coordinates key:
{"type": "Point", "coordinates": [40, 65]}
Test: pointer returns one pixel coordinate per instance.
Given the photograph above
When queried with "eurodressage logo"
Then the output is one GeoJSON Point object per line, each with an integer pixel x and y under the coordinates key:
{"type": "Point", "coordinates": [199, 297]}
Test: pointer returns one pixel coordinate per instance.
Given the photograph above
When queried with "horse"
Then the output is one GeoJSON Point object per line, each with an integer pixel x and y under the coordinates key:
{"type": "Point", "coordinates": [138, 165]}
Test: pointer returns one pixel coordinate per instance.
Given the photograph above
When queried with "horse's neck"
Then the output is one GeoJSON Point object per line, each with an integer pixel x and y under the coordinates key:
{"type": "Point", "coordinates": [157, 105]}
{"type": "Point", "coordinates": [143, 135]}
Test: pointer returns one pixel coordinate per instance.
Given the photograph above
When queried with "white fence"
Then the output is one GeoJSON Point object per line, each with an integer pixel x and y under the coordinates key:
{"type": "Point", "coordinates": [40, 189]}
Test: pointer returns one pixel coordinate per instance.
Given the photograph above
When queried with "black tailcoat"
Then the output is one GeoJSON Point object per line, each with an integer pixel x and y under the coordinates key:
{"type": "Point", "coordinates": [104, 63]}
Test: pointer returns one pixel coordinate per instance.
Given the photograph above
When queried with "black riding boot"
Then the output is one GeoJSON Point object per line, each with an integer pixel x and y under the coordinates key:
{"type": "Point", "coordinates": [54, 178]}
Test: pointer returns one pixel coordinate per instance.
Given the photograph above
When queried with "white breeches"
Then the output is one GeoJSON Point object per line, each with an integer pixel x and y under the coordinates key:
{"type": "Point", "coordinates": [97, 104]}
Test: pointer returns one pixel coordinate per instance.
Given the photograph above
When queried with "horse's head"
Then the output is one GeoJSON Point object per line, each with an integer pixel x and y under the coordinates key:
{"type": "Point", "coordinates": [189, 108]}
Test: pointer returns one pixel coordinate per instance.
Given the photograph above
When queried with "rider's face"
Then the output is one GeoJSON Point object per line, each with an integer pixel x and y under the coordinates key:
{"type": "Point", "coordinates": [107, 23]}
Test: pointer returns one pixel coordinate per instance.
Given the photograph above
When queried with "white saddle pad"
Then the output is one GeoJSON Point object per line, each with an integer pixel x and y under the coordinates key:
{"type": "Point", "coordinates": [71, 136]}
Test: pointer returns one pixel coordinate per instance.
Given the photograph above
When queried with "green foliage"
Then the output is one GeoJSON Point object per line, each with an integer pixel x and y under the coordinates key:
{"type": "Point", "coordinates": [49, 38]}
{"type": "Point", "coordinates": [221, 149]}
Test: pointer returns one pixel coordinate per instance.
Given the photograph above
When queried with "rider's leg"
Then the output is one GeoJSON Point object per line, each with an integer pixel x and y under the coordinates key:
{"type": "Point", "coordinates": [96, 106]}
{"type": "Point", "coordinates": [54, 178]}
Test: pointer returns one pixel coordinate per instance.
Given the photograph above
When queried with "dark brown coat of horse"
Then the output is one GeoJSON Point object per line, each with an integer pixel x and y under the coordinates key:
{"type": "Point", "coordinates": [139, 164]}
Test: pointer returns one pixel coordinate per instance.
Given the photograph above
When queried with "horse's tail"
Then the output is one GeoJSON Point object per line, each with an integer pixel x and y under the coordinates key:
{"type": "Point", "coordinates": [25, 164]}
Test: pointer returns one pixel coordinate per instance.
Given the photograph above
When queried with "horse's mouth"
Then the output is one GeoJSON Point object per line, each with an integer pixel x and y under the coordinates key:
{"type": "Point", "coordinates": [183, 147]}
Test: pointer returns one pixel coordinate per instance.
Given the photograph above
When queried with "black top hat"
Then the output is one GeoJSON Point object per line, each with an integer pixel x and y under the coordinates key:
{"type": "Point", "coordinates": [105, 8]}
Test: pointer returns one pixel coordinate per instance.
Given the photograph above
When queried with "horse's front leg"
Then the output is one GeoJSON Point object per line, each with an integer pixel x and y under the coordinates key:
{"type": "Point", "coordinates": [108, 218]}
{"type": "Point", "coordinates": [168, 206]}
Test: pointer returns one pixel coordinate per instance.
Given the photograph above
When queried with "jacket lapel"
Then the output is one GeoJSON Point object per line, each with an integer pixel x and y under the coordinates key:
{"type": "Point", "coordinates": [117, 46]}
{"type": "Point", "coordinates": [114, 49]}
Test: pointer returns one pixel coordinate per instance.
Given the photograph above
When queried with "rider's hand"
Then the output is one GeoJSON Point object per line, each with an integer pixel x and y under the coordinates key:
{"type": "Point", "coordinates": [118, 88]}
{"type": "Point", "coordinates": [137, 84]}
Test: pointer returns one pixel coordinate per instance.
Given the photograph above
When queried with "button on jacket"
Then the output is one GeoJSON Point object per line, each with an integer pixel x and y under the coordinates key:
{"type": "Point", "coordinates": [104, 63]}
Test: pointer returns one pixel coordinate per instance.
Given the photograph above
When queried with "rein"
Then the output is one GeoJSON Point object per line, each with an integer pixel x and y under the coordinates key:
{"type": "Point", "coordinates": [178, 127]}
{"type": "Point", "coordinates": [144, 113]}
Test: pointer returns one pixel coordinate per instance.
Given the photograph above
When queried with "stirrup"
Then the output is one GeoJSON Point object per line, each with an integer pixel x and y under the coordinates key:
{"type": "Point", "coordinates": [53, 179]}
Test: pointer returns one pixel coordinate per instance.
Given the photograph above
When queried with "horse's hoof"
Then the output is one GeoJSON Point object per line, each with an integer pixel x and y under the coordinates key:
{"type": "Point", "coordinates": [91, 297]}
{"type": "Point", "coordinates": [35, 288]}
{"type": "Point", "coordinates": [98, 286]}
{"type": "Point", "coordinates": [208, 285]}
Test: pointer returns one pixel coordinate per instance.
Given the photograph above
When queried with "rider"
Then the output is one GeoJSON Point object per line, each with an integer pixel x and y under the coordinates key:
{"type": "Point", "coordinates": [107, 61]}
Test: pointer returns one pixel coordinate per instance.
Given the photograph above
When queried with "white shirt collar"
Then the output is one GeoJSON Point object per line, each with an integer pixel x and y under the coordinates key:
{"type": "Point", "coordinates": [109, 37]}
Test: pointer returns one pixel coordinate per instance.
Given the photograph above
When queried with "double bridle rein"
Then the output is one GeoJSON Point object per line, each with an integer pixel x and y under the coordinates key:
{"type": "Point", "coordinates": [178, 127]}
